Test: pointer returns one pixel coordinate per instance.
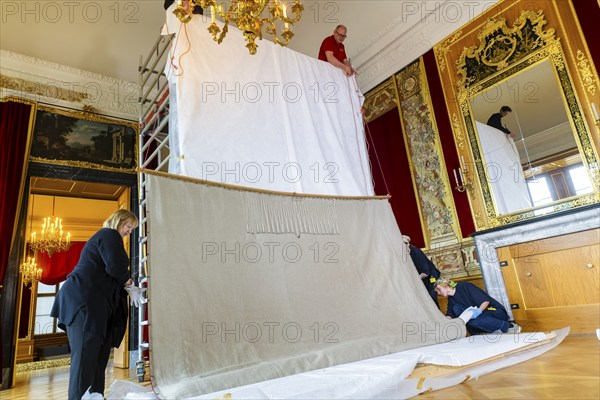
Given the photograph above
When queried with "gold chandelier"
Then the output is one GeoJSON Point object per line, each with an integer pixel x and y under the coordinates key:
{"type": "Point", "coordinates": [51, 240]}
{"type": "Point", "coordinates": [30, 271]}
{"type": "Point", "coordinates": [248, 17]}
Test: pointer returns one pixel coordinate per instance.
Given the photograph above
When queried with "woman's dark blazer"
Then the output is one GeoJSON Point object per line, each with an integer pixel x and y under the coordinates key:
{"type": "Point", "coordinates": [95, 283]}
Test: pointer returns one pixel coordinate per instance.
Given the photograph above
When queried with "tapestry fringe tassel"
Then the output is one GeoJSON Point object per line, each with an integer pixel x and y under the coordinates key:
{"type": "Point", "coordinates": [283, 214]}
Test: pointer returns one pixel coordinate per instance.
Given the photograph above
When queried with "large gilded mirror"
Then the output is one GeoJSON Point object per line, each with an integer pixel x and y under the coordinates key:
{"type": "Point", "coordinates": [530, 143]}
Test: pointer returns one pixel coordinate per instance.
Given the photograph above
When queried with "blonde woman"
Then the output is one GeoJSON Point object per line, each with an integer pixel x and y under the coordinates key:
{"type": "Point", "coordinates": [488, 315]}
{"type": "Point", "coordinates": [87, 304]}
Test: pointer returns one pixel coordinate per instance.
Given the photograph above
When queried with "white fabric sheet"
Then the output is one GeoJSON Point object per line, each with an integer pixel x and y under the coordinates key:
{"type": "Point", "coordinates": [504, 169]}
{"type": "Point", "coordinates": [382, 377]}
{"type": "Point", "coordinates": [277, 120]}
{"type": "Point", "coordinates": [229, 307]}
{"type": "Point", "coordinates": [386, 377]}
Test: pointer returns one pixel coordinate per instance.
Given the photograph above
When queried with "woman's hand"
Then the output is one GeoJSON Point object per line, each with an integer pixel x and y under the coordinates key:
{"type": "Point", "coordinates": [129, 282]}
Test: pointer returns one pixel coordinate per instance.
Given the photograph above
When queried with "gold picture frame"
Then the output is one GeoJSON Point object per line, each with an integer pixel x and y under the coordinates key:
{"type": "Point", "coordinates": [493, 51]}
{"type": "Point", "coordinates": [84, 140]}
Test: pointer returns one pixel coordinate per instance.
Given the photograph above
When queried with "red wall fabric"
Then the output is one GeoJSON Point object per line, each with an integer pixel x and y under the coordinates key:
{"type": "Point", "coordinates": [56, 268]}
{"type": "Point", "coordinates": [386, 144]}
{"type": "Point", "coordinates": [461, 201]}
{"type": "Point", "coordinates": [14, 124]}
{"type": "Point", "coordinates": [588, 14]}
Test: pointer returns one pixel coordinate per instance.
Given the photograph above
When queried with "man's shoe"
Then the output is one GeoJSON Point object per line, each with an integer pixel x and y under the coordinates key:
{"type": "Point", "coordinates": [514, 328]}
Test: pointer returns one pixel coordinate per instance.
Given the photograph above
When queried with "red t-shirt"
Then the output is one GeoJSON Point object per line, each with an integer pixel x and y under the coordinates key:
{"type": "Point", "coordinates": [329, 44]}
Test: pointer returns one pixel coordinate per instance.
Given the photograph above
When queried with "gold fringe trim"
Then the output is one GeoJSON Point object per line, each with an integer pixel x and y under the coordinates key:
{"type": "Point", "coordinates": [32, 366]}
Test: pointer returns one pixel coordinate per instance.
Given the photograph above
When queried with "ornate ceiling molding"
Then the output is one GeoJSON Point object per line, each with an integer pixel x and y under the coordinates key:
{"type": "Point", "coordinates": [395, 46]}
{"type": "Point", "coordinates": [61, 85]}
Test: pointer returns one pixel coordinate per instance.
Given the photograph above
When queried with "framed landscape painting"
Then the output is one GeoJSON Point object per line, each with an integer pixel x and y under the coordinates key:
{"type": "Point", "coordinates": [81, 139]}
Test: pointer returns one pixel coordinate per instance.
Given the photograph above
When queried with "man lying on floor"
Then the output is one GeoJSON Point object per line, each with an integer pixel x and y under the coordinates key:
{"type": "Point", "coordinates": [488, 315]}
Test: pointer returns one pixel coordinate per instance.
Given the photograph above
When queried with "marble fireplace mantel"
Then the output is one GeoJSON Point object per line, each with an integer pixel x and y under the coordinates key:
{"type": "Point", "coordinates": [487, 241]}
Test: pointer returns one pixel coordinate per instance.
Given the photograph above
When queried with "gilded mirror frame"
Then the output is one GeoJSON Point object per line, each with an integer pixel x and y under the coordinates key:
{"type": "Point", "coordinates": [502, 53]}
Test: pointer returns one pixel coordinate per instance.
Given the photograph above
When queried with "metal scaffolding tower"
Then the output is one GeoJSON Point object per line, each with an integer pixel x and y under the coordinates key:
{"type": "Point", "coordinates": [153, 154]}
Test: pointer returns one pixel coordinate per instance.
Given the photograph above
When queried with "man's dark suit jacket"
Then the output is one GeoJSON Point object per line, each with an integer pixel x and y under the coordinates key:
{"type": "Point", "coordinates": [495, 121]}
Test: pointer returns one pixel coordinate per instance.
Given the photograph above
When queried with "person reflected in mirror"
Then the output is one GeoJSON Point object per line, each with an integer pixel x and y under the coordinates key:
{"type": "Point", "coordinates": [91, 306]}
{"type": "Point", "coordinates": [495, 120]}
{"type": "Point", "coordinates": [425, 267]}
{"type": "Point", "coordinates": [488, 315]}
{"type": "Point", "coordinates": [333, 51]}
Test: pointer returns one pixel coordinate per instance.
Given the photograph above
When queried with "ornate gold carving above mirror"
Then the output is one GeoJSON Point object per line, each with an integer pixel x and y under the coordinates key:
{"type": "Point", "coordinates": [501, 46]}
{"type": "Point", "coordinates": [545, 160]}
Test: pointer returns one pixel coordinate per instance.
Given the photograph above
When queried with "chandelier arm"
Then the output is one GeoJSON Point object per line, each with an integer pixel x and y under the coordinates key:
{"type": "Point", "coordinates": [246, 14]}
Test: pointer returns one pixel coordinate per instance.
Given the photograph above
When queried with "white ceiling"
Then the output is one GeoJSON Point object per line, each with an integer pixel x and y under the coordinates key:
{"type": "Point", "coordinates": [108, 37]}
{"type": "Point", "coordinates": [539, 111]}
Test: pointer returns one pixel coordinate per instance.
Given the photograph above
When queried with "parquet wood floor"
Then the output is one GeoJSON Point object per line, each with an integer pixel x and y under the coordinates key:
{"type": "Point", "coordinates": [569, 371]}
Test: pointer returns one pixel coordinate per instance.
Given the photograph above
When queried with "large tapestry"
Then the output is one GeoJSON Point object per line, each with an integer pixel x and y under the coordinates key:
{"type": "Point", "coordinates": [250, 286]}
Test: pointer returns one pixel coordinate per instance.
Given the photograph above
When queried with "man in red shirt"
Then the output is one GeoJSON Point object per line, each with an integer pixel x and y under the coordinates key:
{"type": "Point", "coordinates": [332, 50]}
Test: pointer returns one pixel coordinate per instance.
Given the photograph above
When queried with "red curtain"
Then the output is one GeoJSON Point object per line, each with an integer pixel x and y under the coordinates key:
{"type": "Point", "coordinates": [56, 268]}
{"type": "Point", "coordinates": [588, 14]}
{"type": "Point", "coordinates": [15, 118]}
{"type": "Point", "coordinates": [387, 154]}
{"type": "Point", "coordinates": [461, 201]}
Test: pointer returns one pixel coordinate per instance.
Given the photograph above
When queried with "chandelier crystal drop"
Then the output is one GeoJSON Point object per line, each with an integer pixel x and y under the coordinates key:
{"type": "Point", "coordinates": [248, 15]}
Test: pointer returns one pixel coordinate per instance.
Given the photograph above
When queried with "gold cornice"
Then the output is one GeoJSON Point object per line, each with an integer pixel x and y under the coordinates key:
{"type": "Point", "coordinates": [40, 89]}
{"type": "Point", "coordinates": [81, 164]}
{"type": "Point", "coordinates": [90, 116]}
{"type": "Point", "coordinates": [442, 49]}
{"type": "Point", "coordinates": [15, 99]}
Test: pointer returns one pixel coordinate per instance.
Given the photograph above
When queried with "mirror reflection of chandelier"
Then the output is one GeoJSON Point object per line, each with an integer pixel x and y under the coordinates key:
{"type": "Point", "coordinates": [51, 239]}
{"type": "Point", "coordinates": [248, 17]}
{"type": "Point", "coordinates": [30, 271]}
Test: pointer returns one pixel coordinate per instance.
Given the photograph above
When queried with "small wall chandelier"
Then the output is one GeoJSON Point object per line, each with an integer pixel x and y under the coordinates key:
{"type": "Point", "coordinates": [51, 240]}
{"type": "Point", "coordinates": [248, 17]}
{"type": "Point", "coordinates": [30, 271]}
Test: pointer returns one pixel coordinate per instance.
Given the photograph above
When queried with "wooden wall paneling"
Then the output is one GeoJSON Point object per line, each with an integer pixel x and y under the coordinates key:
{"type": "Point", "coordinates": [556, 281]}
{"type": "Point", "coordinates": [512, 283]}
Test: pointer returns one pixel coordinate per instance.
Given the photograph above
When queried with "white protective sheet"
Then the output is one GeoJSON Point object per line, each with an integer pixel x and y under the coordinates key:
{"type": "Point", "coordinates": [276, 120]}
{"type": "Point", "coordinates": [384, 377]}
{"type": "Point", "coordinates": [247, 287]}
{"type": "Point", "coordinates": [505, 172]}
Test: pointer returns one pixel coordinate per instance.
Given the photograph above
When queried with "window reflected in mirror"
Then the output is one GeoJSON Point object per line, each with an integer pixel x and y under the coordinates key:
{"type": "Point", "coordinates": [559, 184]}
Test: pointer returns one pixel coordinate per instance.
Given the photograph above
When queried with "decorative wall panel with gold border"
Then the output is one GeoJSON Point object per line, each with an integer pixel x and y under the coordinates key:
{"type": "Point", "coordinates": [436, 207]}
{"type": "Point", "coordinates": [454, 256]}
{"type": "Point", "coordinates": [380, 100]}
